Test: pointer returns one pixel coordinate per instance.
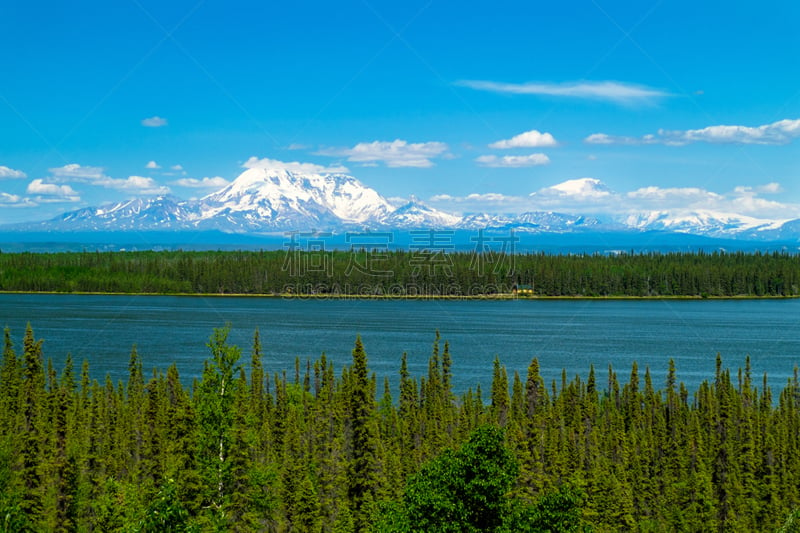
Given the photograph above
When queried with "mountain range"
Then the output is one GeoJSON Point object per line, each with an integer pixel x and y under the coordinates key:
{"type": "Point", "coordinates": [269, 201]}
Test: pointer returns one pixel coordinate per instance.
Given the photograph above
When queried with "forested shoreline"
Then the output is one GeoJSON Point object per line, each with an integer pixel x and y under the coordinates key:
{"type": "Point", "coordinates": [419, 273]}
{"type": "Point", "coordinates": [320, 449]}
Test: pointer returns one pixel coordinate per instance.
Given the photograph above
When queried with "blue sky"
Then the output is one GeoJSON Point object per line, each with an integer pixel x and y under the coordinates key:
{"type": "Point", "coordinates": [667, 104]}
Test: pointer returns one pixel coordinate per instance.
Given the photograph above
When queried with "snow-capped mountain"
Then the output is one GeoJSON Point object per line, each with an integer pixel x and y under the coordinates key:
{"type": "Point", "coordinates": [261, 199]}
{"type": "Point", "coordinates": [699, 222]}
{"type": "Point", "coordinates": [278, 200]}
{"type": "Point", "coordinates": [415, 214]}
{"type": "Point", "coordinates": [154, 213]}
{"type": "Point", "coordinates": [789, 230]}
{"type": "Point", "coordinates": [485, 220]}
{"type": "Point", "coordinates": [556, 222]}
{"type": "Point", "coordinates": [541, 222]}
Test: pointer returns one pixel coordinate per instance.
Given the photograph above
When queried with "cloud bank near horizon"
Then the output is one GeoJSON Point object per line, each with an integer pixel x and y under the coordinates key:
{"type": "Point", "coordinates": [592, 196]}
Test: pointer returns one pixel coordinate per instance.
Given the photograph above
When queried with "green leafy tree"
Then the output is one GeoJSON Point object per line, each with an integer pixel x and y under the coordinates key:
{"type": "Point", "coordinates": [13, 519]}
{"type": "Point", "coordinates": [464, 490]}
{"type": "Point", "coordinates": [166, 513]}
{"type": "Point", "coordinates": [215, 419]}
{"type": "Point", "coordinates": [555, 512]}
{"type": "Point", "coordinates": [792, 523]}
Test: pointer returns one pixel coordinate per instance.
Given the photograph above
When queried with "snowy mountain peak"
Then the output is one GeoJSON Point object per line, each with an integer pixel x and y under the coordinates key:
{"type": "Point", "coordinates": [156, 212]}
{"type": "Point", "coordinates": [415, 214]}
{"type": "Point", "coordinates": [137, 205]}
{"type": "Point", "coordinates": [555, 222]}
{"type": "Point", "coordinates": [278, 197]}
{"type": "Point", "coordinates": [701, 221]}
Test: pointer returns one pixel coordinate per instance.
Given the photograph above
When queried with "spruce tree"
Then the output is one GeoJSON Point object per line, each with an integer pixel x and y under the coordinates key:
{"type": "Point", "coordinates": [33, 438]}
{"type": "Point", "coordinates": [362, 445]}
{"type": "Point", "coordinates": [63, 468]}
{"type": "Point", "coordinates": [10, 379]}
{"type": "Point", "coordinates": [257, 374]}
{"type": "Point", "coordinates": [500, 398]}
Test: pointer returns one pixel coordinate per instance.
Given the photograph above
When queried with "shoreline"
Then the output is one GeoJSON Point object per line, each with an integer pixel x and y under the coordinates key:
{"type": "Point", "coordinates": [497, 297]}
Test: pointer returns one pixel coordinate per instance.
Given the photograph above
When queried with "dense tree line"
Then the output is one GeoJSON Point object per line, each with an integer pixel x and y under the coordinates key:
{"type": "Point", "coordinates": [398, 273]}
{"type": "Point", "coordinates": [334, 450]}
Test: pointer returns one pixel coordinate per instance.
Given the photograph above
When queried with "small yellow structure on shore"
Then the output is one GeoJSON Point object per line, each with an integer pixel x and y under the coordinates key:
{"type": "Point", "coordinates": [522, 290]}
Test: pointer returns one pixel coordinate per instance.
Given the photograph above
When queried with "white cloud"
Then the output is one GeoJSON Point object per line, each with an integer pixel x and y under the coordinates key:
{"type": "Point", "coordinates": [152, 165]}
{"type": "Point", "coordinates": [528, 139]}
{"type": "Point", "coordinates": [610, 91]}
{"type": "Point", "coordinates": [584, 195]}
{"type": "Point", "coordinates": [37, 186]}
{"type": "Point", "coordinates": [6, 172]}
{"type": "Point", "coordinates": [154, 122]}
{"type": "Point", "coordinates": [491, 197]}
{"type": "Point", "coordinates": [394, 154]}
{"type": "Point", "coordinates": [397, 201]}
{"type": "Point", "coordinates": [580, 190]}
{"type": "Point", "coordinates": [513, 161]}
{"type": "Point", "coordinates": [76, 172]}
{"type": "Point", "coordinates": [54, 192]}
{"type": "Point", "coordinates": [205, 183]}
{"type": "Point", "coordinates": [761, 207]}
{"type": "Point", "coordinates": [176, 167]}
{"type": "Point", "coordinates": [293, 166]}
{"type": "Point", "coordinates": [769, 188]}
{"type": "Point", "coordinates": [138, 184]}
{"type": "Point", "coordinates": [482, 203]}
{"type": "Point", "coordinates": [745, 199]}
{"type": "Point", "coordinates": [6, 198]}
{"type": "Point", "coordinates": [742, 200]}
{"type": "Point", "coordinates": [14, 200]}
{"type": "Point", "coordinates": [603, 138]}
{"type": "Point", "coordinates": [443, 198]}
{"type": "Point", "coordinates": [653, 197]}
{"type": "Point", "coordinates": [96, 176]}
{"type": "Point", "coordinates": [780, 132]}
{"type": "Point", "coordinates": [297, 146]}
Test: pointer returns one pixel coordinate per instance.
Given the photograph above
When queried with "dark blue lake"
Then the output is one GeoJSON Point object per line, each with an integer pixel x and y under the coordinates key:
{"type": "Point", "coordinates": [563, 334]}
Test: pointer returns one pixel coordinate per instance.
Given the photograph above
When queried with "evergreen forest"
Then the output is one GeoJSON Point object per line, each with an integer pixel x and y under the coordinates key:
{"type": "Point", "coordinates": [419, 273]}
{"type": "Point", "coordinates": [324, 449]}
